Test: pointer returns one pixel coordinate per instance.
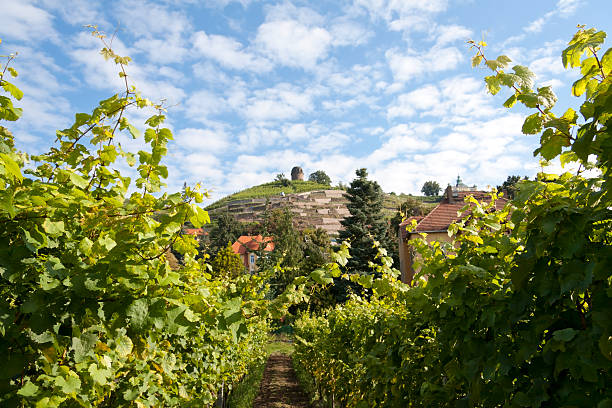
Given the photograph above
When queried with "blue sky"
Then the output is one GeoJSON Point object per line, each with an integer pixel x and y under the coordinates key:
{"type": "Point", "coordinates": [257, 87]}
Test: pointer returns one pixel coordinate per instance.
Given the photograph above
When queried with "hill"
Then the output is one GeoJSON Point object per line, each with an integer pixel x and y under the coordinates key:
{"type": "Point", "coordinates": [268, 190]}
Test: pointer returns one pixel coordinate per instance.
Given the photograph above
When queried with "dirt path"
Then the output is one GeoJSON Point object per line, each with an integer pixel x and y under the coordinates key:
{"type": "Point", "coordinates": [279, 385]}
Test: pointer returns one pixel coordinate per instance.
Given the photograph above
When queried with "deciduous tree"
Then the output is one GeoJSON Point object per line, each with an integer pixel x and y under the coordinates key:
{"type": "Point", "coordinates": [320, 177]}
{"type": "Point", "coordinates": [431, 188]}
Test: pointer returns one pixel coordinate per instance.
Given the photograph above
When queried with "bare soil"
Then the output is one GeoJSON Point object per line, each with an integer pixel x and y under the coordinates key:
{"type": "Point", "coordinates": [279, 387]}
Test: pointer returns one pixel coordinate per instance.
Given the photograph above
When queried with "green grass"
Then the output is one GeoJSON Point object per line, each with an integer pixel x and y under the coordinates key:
{"type": "Point", "coordinates": [279, 346]}
{"type": "Point", "coordinates": [274, 188]}
{"type": "Point", "coordinates": [245, 392]}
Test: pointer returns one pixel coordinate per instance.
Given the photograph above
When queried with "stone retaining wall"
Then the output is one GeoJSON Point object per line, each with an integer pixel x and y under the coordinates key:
{"type": "Point", "coordinates": [314, 209]}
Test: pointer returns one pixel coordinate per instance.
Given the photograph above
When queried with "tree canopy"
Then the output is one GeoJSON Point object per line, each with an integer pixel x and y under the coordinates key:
{"type": "Point", "coordinates": [431, 188]}
{"type": "Point", "coordinates": [320, 177]}
{"type": "Point", "coordinates": [365, 222]}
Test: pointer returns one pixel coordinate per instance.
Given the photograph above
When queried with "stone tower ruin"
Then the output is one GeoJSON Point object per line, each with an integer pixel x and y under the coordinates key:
{"type": "Point", "coordinates": [297, 173]}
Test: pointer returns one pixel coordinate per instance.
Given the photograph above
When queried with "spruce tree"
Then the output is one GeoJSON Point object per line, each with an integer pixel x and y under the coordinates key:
{"type": "Point", "coordinates": [224, 229]}
{"type": "Point", "coordinates": [365, 223]}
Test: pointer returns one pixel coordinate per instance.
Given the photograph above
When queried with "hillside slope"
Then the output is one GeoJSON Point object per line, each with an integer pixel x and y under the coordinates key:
{"type": "Point", "coordinates": [268, 190]}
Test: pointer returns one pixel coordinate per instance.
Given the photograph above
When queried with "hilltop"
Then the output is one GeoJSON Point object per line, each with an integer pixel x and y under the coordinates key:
{"type": "Point", "coordinates": [269, 190]}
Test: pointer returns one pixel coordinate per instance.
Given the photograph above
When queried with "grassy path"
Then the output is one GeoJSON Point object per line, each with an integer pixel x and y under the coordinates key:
{"type": "Point", "coordinates": [279, 386]}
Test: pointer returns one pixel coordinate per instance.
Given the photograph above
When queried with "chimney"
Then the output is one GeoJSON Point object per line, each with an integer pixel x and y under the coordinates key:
{"type": "Point", "coordinates": [449, 194]}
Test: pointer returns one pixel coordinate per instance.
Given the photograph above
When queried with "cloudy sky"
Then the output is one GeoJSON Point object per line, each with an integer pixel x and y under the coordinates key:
{"type": "Point", "coordinates": [257, 87]}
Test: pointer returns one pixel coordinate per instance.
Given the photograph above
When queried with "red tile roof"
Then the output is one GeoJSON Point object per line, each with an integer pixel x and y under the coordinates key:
{"type": "Point", "coordinates": [248, 243]}
{"type": "Point", "coordinates": [445, 213]}
{"type": "Point", "coordinates": [195, 231]}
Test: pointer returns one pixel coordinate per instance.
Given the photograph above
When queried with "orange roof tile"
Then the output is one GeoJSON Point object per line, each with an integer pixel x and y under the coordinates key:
{"type": "Point", "coordinates": [195, 231]}
{"type": "Point", "coordinates": [248, 243]}
{"type": "Point", "coordinates": [445, 213]}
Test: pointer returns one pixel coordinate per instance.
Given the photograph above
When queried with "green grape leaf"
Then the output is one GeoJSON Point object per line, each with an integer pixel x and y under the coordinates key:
{"type": "Point", "coordinates": [53, 228]}
{"type": "Point", "coordinates": [28, 390]}
{"type": "Point", "coordinates": [564, 335]}
{"type": "Point", "coordinates": [11, 166]}
{"type": "Point", "coordinates": [83, 345]}
{"type": "Point", "coordinates": [85, 246]}
{"type": "Point", "coordinates": [198, 216]}
{"type": "Point", "coordinates": [606, 62]}
{"type": "Point", "coordinates": [123, 345]}
{"type": "Point", "coordinates": [13, 90]}
{"type": "Point", "coordinates": [137, 312]}
{"type": "Point", "coordinates": [70, 384]}
{"type": "Point", "coordinates": [134, 131]}
{"type": "Point", "coordinates": [493, 84]}
{"type": "Point", "coordinates": [320, 277]}
{"type": "Point", "coordinates": [525, 75]}
{"type": "Point", "coordinates": [77, 180]}
{"type": "Point", "coordinates": [99, 375]}
{"type": "Point", "coordinates": [510, 102]}
{"type": "Point", "coordinates": [7, 204]}
{"type": "Point", "coordinates": [532, 124]}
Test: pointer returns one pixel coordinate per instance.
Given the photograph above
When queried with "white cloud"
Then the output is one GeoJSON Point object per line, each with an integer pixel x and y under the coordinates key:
{"type": "Point", "coordinates": [283, 102]}
{"type": "Point", "coordinates": [346, 32]}
{"type": "Point", "coordinates": [228, 52]}
{"type": "Point", "coordinates": [203, 140]}
{"type": "Point", "coordinates": [567, 7]}
{"type": "Point", "coordinates": [256, 137]}
{"type": "Point", "coordinates": [456, 99]}
{"type": "Point", "coordinates": [77, 12]}
{"type": "Point", "coordinates": [327, 142]}
{"type": "Point", "coordinates": [545, 66]}
{"type": "Point", "coordinates": [23, 21]}
{"type": "Point", "coordinates": [291, 43]}
{"type": "Point", "coordinates": [563, 8]}
{"type": "Point", "coordinates": [446, 34]}
{"type": "Point", "coordinates": [147, 19]}
{"type": "Point", "coordinates": [163, 50]}
{"type": "Point", "coordinates": [203, 104]}
{"type": "Point", "coordinates": [210, 73]}
{"type": "Point", "coordinates": [392, 9]}
{"type": "Point", "coordinates": [401, 140]}
{"type": "Point", "coordinates": [408, 65]}
{"type": "Point", "coordinates": [407, 104]}
{"type": "Point", "coordinates": [536, 25]}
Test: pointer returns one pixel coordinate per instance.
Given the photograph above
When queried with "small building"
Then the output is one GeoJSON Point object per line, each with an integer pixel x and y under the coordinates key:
{"type": "Point", "coordinates": [436, 223]}
{"type": "Point", "coordinates": [248, 247]}
{"type": "Point", "coordinates": [196, 232]}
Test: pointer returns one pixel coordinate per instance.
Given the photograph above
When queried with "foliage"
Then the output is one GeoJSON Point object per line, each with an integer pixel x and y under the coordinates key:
{"type": "Point", "coordinates": [227, 264]}
{"type": "Point", "coordinates": [244, 393]}
{"type": "Point", "coordinates": [296, 253]}
{"type": "Point", "coordinates": [366, 222]}
{"type": "Point", "coordinates": [90, 312]}
{"type": "Point", "coordinates": [320, 177]}
{"type": "Point", "coordinates": [431, 188]}
{"type": "Point", "coordinates": [282, 180]}
{"type": "Point", "coordinates": [515, 311]}
{"type": "Point", "coordinates": [224, 229]}
{"type": "Point", "coordinates": [509, 187]}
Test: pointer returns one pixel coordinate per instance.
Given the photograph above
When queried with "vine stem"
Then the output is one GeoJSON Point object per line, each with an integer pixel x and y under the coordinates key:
{"type": "Point", "coordinates": [603, 75]}
{"type": "Point", "coordinates": [517, 90]}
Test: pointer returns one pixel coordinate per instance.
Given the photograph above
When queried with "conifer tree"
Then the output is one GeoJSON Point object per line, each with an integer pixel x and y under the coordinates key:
{"type": "Point", "coordinates": [227, 264]}
{"type": "Point", "coordinates": [224, 229]}
{"type": "Point", "coordinates": [365, 223]}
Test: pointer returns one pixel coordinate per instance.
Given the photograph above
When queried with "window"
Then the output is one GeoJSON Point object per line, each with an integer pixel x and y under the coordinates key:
{"type": "Point", "coordinates": [252, 259]}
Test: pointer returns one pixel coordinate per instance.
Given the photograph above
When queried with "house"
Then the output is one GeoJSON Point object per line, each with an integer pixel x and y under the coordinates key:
{"type": "Point", "coordinates": [248, 246]}
{"type": "Point", "coordinates": [436, 223]}
{"type": "Point", "coordinates": [196, 232]}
